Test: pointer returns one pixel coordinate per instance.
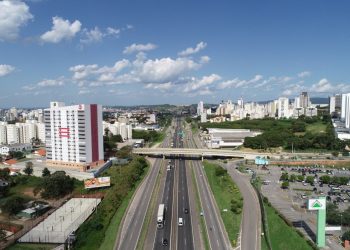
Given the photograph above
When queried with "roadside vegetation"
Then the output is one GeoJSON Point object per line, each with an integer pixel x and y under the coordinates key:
{"type": "Point", "coordinates": [193, 122]}
{"type": "Point", "coordinates": [149, 136]}
{"type": "Point", "coordinates": [228, 199]}
{"type": "Point", "coordinates": [101, 228]}
{"type": "Point", "coordinates": [304, 133]}
{"type": "Point", "coordinates": [282, 235]}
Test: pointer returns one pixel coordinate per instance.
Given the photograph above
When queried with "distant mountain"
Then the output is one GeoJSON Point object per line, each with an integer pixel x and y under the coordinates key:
{"type": "Point", "coordinates": [319, 100]}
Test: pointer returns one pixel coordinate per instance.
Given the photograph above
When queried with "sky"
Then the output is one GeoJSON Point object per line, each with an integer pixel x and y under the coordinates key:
{"type": "Point", "coordinates": [130, 52]}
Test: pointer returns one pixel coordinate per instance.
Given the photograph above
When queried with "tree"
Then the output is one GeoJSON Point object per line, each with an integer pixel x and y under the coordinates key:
{"type": "Point", "coordinates": [326, 179]}
{"type": "Point", "coordinates": [57, 185]}
{"type": "Point", "coordinates": [13, 205]}
{"type": "Point", "coordinates": [300, 177]}
{"type": "Point", "coordinates": [285, 185]}
{"type": "Point", "coordinates": [28, 170]}
{"type": "Point", "coordinates": [5, 174]}
{"type": "Point", "coordinates": [284, 177]}
{"type": "Point", "coordinates": [46, 172]}
{"type": "Point", "coordinates": [219, 171]}
{"type": "Point", "coordinates": [16, 154]}
{"type": "Point", "coordinates": [298, 126]}
{"type": "Point", "coordinates": [335, 153]}
{"type": "Point", "coordinates": [346, 236]}
{"type": "Point", "coordinates": [2, 234]}
{"type": "Point", "coordinates": [309, 179]}
{"type": "Point", "coordinates": [292, 178]}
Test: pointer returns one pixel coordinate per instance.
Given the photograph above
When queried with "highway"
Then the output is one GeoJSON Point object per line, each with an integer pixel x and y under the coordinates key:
{"type": "Point", "coordinates": [133, 220]}
{"type": "Point", "coordinates": [217, 235]}
{"type": "Point", "coordinates": [184, 233]}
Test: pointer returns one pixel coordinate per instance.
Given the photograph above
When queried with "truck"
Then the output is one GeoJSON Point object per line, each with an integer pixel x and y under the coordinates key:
{"type": "Point", "coordinates": [160, 216]}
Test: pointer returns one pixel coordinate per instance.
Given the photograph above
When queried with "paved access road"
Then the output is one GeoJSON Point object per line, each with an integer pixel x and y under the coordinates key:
{"type": "Point", "coordinates": [251, 221]}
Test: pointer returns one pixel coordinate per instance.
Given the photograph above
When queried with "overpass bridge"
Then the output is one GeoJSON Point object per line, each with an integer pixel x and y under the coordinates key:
{"type": "Point", "coordinates": [196, 152]}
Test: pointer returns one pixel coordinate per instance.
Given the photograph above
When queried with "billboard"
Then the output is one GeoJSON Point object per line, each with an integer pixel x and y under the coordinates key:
{"type": "Point", "coordinates": [97, 182]}
{"type": "Point", "coordinates": [317, 204]}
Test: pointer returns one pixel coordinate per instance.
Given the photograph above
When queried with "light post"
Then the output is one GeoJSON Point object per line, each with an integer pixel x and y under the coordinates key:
{"type": "Point", "coordinates": [341, 223]}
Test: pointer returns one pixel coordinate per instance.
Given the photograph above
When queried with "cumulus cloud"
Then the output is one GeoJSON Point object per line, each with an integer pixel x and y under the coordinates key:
{"type": "Point", "coordinates": [159, 86]}
{"type": "Point", "coordinates": [139, 47]}
{"type": "Point", "coordinates": [237, 83]}
{"type": "Point", "coordinates": [84, 91]}
{"type": "Point", "coordinates": [189, 51]}
{"type": "Point", "coordinates": [13, 15]}
{"type": "Point", "coordinates": [61, 30]}
{"type": "Point", "coordinates": [196, 84]}
{"type": "Point", "coordinates": [304, 74]}
{"type": "Point", "coordinates": [6, 69]}
{"type": "Point", "coordinates": [326, 86]}
{"type": "Point", "coordinates": [46, 83]}
{"type": "Point", "coordinates": [95, 35]}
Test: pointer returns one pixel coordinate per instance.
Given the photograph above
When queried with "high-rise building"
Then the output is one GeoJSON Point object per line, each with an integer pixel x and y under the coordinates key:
{"type": "Point", "coordinates": [283, 107]}
{"type": "Point", "coordinates": [3, 133]}
{"type": "Point", "coordinates": [200, 108]}
{"type": "Point", "coordinates": [345, 109]}
{"type": "Point", "coordinates": [74, 135]}
{"type": "Point", "coordinates": [304, 100]}
{"type": "Point", "coordinates": [13, 134]}
{"type": "Point", "coordinates": [331, 104]}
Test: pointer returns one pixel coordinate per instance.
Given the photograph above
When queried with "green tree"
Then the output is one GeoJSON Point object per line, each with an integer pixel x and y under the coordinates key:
{"type": "Point", "coordinates": [309, 179]}
{"type": "Point", "coordinates": [292, 178]}
{"type": "Point", "coordinates": [335, 153]}
{"type": "Point", "coordinates": [5, 173]}
{"type": "Point", "coordinates": [28, 170]}
{"type": "Point", "coordinates": [13, 205]}
{"type": "Point", "coordinates": [346, 235]}
{"type": "Point", "coordinates": [219, 171]}
{"type": "Point", "coordinates": [298, 126]}
{"type": "Point", "coordinates": [57, 185]}
{"type": "Point", "coordinates": [285, 185]}
{"type": "Point", "coordinates": [46, 172]}
{"type": "Point", "coordinates": [284, 177]}
{"type": "Point", "coordinates": [326, 179]}
{"type": "Point", "coordinates": [300, 177]}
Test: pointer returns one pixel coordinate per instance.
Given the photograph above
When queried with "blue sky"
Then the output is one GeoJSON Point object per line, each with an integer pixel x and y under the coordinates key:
{"type": "Point", "coordinates": [177, 52]}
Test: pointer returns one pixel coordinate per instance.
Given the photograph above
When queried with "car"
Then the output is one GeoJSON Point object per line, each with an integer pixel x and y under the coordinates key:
{"type": "Point", "coordinates": [181, 222]}
{"type": "Point", "coordinates": [186, 211]}
{"type": "Point", "coordinates": [201, 213]}
{"type": "Point", "coordinates": [165, 242]}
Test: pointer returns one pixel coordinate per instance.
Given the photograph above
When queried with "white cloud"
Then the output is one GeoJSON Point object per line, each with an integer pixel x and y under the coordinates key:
{"type": "Point", "coordinates": [204, 59]}
{"type": "Point", "coordinates": [13, 15]}
{"type": "Point", "coordinates": [84, 91]}
{"type": "Point", "coordinates": [196, 84]}
{"type": "Point", "coordinates": [92, 36]}
{"type": "Point", "coordinates": [6, 69]}
{"type": "Point", "coordinates": [159, 86]}
{"type": "Point", "coordinates": [46, 83]}
{"type": "Point", "coordinates": [96, 35]}
{"type": "Point", "coordinates": [327, 87]}
{"type": "Point", "coordinates": [237, 83]}
{"type": "Point", "coordinates": [292, 89]}
{"type": "Point", "coordinates": [190, 51]}
{"type": "Point", "coordinates": [61, 30]}
{"type": "Point", "coordinates": [304, 74]}
{"type": "Point", "coordinates": [139, 47]}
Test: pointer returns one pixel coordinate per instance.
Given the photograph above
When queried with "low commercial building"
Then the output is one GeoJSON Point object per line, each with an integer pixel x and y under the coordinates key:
{"type": "Point", "coordinates": [219, 138]}
{"type": "Point", "coordinates": [5, 149]}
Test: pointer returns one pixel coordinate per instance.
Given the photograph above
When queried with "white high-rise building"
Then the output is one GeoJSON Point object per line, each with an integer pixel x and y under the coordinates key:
{"type": "Point", "coordinates": [345, 109]}
{"type": "Point", "coordinates": [3, 133]}
{"type": "Point", "coordinates": [343, 97]}
{"type": "Point", "coordinates": [331, 104]}
{"type": "Point", "coordinates": [304, 100]}
{"type": "Point", "coordinates": [13, 134]}
{"type": "Point", "coordinates": [74, 135]}
{"type": "Point", "coordinates": [283, 107]}
{"type": "Point", "coordinates": [200, 108]}
{"type": "Point", "coordinates": [41, 131]}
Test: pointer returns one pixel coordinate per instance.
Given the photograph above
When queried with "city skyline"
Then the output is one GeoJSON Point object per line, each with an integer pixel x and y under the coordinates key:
{"type": "Point", "coordinates": [160, 52]}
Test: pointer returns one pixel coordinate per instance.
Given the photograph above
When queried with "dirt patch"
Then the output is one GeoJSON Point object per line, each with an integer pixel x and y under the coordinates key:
{"type": "Point", "coordinates": [29, 192]}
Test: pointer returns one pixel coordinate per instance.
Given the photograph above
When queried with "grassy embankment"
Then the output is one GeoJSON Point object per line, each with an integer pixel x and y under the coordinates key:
{"type": "Point", "coordinates": [100, 230]}
{"type": "Point", "coordinates": [282, 235]}
{"type": "Point", "coordinates": [227, 196]}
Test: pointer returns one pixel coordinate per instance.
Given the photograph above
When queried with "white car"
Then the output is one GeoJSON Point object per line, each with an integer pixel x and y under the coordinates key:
{"type": "Point", "coordinates": [181, 222]}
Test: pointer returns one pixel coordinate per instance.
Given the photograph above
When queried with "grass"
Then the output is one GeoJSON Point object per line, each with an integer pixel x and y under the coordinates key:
{"type": "Point", "coordinates": [225, 190]}
{"type": "Point", "coordinates": [264, 244]}
{"type": "Point", "coordinates": [199, 208]}
{"type": "Point", "coordinates": [101, 228]}
{"type": "Point", "coordinates": [316, 128]}
{"type": "Point", "coordinates": [150, 209]}
{"type": "Point", "coordinates": [30, 246]}
{"type": "Point", "coordinates": [282, 235]}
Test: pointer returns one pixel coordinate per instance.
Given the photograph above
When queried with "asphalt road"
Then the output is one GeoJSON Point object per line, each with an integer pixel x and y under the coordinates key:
{"type": "Point", "coordinates": [137, 210]}
{"type": "Point", "coordinates": [217, 235]}
{"type": "Point", "coordinates": [133, 220]}
{"type": "Point", "coordinates": [251, 221]}
{"type": "Point", "coordinates": [184, 233]}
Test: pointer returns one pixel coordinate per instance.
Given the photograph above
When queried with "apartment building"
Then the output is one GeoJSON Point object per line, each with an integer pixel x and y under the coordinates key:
{"type": "Point", "coordinates": [74, 135]}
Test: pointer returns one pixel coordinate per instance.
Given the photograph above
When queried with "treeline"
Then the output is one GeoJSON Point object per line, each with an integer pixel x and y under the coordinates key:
{"type": "Point", "coordinates": [123, 179]}
{"type": "Point", "coordinates": [147, 135]}
{"type": "Point", "coordinates": [286, 133]}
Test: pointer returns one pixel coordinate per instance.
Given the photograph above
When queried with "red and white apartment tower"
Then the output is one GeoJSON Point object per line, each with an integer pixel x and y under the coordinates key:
{"type": "Point", "coordinates": [74, 135]}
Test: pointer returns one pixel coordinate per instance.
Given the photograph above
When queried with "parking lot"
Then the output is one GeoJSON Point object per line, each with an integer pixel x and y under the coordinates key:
{"type": "Point", "coordinates": [292, 202]}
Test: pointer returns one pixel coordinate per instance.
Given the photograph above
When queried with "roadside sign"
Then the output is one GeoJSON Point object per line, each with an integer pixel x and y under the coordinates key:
{"type": "Point", "coordinates": [317, 204]}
